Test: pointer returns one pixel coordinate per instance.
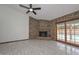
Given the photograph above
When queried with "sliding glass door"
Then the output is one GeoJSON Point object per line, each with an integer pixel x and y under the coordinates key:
{"type": "Point", "coordinates": [61, 32]}
{"type": "Point", "coordinates": [68, 31]}
{"type": "Point", "coordinates": [73, 31]}
{"type": "Point", "coordinates": [77, 32]}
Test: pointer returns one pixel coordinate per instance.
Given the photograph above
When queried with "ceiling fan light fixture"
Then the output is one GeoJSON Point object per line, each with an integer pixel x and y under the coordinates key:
{"type": "Point", "coordinates": [31, 9]}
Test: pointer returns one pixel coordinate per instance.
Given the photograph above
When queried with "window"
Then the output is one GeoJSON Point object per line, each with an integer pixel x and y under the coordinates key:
{"type": "Point", "coordinates": [61, 32]}
{"type": "Point", "coordinates": [68, 31]}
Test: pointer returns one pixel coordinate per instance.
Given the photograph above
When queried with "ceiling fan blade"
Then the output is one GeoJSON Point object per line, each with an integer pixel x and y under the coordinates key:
{"type": "Point", "coordinates": [36, 8]}
{"type": "Point", "coordinates": [30, 5]}
{"type": "Point", "coordinates": [34, 12]}
{"type": "Point", "coordinates": [27, 11]}
{"type": "Point", "coordinates": [23, 6]}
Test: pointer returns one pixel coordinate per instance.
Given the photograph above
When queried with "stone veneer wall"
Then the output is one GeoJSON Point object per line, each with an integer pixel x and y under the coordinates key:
{"type": "Point", "coordinates": [53, 29]}
{"type": "Point", "coordinates": [68, 17]}
{"type": "Point", "coordinates": [33, 28]}
{"type": "Point", "coordinates": [38, 25]}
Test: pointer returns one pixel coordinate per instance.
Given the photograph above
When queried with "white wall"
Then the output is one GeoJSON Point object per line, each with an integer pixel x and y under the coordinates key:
{"type": "Point", "coordinates": [13, 25]}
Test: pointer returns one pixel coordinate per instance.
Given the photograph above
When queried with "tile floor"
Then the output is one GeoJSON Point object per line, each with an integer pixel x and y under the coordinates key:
{"type": "Point", "coordinates": [37, 47]}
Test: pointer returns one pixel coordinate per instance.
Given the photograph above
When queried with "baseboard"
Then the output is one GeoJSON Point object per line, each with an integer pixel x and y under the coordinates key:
{"type": "Point", "coordinates": [13, 41]}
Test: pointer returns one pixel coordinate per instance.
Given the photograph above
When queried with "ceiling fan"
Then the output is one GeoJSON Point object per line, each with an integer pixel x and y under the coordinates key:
{"type": "Point", "coordinates": [30, 8]}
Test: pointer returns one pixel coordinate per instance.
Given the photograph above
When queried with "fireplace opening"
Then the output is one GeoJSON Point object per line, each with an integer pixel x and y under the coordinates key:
{"type": "Point", "coordinates": [43, 34]}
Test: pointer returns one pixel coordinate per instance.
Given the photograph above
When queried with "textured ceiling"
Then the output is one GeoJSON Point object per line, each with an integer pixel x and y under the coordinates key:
{"type": "Point", "coordinates": [48, 11]}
